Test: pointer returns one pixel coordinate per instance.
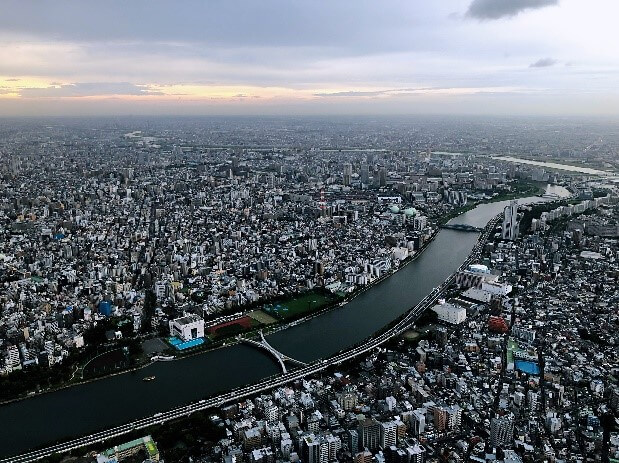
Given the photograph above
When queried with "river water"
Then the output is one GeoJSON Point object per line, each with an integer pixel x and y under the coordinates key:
{"type": "Point", "coordinates": [555, 165]}
{"type": "Point", "coordinates": [112, 401]}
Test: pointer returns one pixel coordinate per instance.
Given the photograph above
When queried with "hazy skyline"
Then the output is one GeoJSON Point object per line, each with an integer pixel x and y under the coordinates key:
{"type": "Point", "coordinates": [281, 57]}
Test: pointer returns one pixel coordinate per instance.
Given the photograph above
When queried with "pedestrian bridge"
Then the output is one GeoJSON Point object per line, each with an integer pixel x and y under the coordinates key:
{"type": "Point", "coordinates": [462, 227]}
{"type": "Point", "coordinates": [281, 358]}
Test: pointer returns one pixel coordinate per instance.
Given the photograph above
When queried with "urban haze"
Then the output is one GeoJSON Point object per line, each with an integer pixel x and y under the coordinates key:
{"type": "Point", "coordinates": [309, 232]}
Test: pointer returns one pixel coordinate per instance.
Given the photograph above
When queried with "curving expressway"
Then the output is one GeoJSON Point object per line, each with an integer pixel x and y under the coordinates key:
{"type": "Point", "coordinates": [269, 383]}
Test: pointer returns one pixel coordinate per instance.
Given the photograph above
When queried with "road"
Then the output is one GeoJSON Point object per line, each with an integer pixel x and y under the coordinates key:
{"type": "Point", "coordinates": [269, 383]}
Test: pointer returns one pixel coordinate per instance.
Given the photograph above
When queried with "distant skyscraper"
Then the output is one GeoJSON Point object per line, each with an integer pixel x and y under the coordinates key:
{"type": "Point", "coordinates": [347, 174]}
{"type": "Point", "coordinates": [365, 174]}
{"type": "Point", "coordinates": [235, 165]}
{"type": "Point", "coordinates": [511, 223]}
{"type": "Point", "coordinates": [382, 176]}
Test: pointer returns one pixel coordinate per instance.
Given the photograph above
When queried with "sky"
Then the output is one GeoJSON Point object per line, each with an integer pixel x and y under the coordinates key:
{"type": "Point", "coordinates": [392, 57]}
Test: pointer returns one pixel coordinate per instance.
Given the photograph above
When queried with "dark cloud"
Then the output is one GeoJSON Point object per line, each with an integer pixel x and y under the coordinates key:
{"type": "Point", "coordinates": [87, 89]}
{"type": "Point", "coordinates": [543, 63]}
{"type": "Point", "coordinates": [496, 9]}
{"type": "Point", "coordinates": [357, 25]}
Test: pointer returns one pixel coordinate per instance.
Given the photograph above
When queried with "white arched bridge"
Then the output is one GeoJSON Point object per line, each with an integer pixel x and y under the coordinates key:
{"type": "Point", "coordinates": [281, 358]}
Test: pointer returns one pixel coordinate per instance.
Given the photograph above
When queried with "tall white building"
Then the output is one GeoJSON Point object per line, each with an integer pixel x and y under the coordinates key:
{"type": "Point", "coordinates": [511, 222]}
{"type": "Point", "coordinates": [388, 434]}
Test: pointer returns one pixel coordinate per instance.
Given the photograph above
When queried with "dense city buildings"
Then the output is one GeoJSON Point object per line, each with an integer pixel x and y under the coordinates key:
{"type": "Point", "coordinates": [309, 232]}
{"type": "Point", "coordinates": [124, 243]}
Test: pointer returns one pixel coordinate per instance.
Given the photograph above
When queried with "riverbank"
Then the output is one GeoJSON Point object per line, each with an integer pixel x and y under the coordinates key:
{"type": "Point", "coordinates": [232, 340]}
{"type": "Point", "coordinates": [267, 329]}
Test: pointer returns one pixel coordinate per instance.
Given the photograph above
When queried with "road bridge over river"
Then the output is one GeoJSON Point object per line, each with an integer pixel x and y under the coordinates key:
{"type": "Point", "coordinates": [281, 358]}
{"type": "Point", "coordinates": [462, 227]}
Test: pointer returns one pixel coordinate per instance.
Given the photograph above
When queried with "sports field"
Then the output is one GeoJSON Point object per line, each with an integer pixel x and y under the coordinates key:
{"type": "Point", "coordinates": [261, 317]}
{"type": "Point", "coordinates": [300, 305]}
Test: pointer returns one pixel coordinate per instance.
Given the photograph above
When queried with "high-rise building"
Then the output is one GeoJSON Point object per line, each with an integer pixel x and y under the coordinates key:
{"type": "Point", "coordinates": [252, 439]}
{"type": "Point", "coordinates": [320, 449]}
{"type": "Point", "coordinates": [311, 450]}
{"type": "Point", "coordinates": [418, 421]}
{"type": "Point", "coordinates": [329, 445]}
{"type": "Point", "coordinates": [388, 434]}
{"type": "Point", "coordinates": [511, 222]}
{"type": "Point", "coordinates": [235, 165]}
{"type": "Point", "coordinates": [454, 417]}
{"type": "Point", "coordinates": [502, 431]}
{"type": "Point", "coordinates": [440, 418]}
{"type": "Point", "coordinates": [347, 174]}
{"type": "Point", "coordinates": [12, 357]}
{"type": "Point", "coordinates": [347, 399]}
{"type": "Point", "coordinates": [365, 174]}
{"type": "Point", "coordinates": [382, 177]}
{"type": "Point", "coordinates": [395, 455]}
{"type": "Point", "coordinates": [352, 438]}
{"type": "Point", "coordinates": [369, 433]}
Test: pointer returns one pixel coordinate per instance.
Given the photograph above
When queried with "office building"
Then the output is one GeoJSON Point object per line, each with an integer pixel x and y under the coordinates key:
{"type": "Point", "coordinates": [263, 455]}
{"type": "Point", "coordinates": [418, 422]}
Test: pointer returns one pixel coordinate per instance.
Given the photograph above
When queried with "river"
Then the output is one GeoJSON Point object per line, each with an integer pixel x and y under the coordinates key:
{"type": "Point", "coordinates": [555, 165]}
{"type": "Point", "coordinates": [118, 399]}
